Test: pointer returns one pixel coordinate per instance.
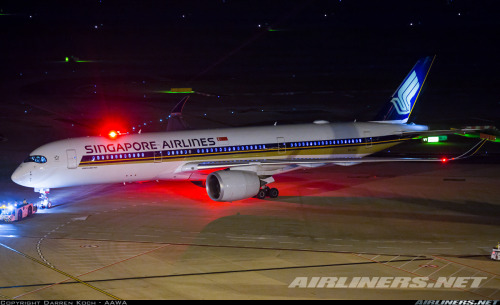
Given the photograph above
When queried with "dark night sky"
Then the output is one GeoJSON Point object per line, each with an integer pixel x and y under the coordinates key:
{"type": "Point", "coordinates": [358, 45]}
{"type": "Point", "coordinates": [343, 58]}
{"type": "Point", "coordinates": [313, 35]}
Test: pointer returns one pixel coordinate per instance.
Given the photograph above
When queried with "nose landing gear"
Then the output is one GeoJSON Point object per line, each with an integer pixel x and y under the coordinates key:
{"type": "Point", "coordinates": [44, 198]}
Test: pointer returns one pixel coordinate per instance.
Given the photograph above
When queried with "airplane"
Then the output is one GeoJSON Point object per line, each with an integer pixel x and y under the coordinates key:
{"type": "Point", "coordinates": [232, 163]}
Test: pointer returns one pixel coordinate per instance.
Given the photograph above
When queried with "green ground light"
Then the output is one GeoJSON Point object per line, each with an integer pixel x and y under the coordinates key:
{"type": "Point", "coordinates": [434, 139]}
{"type": "Point", "coordinates": [76, 59]}
{"type": "Point", "coordinates": [177, 90]}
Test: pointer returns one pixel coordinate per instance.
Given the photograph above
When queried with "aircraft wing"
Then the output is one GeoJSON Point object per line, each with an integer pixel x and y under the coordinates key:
{"type": "Point", "coordinates": [269, 167]}
{"type": "Point", "coordinates": [273, 164]}
{"type": "Point", "coordinates": [278, 166]}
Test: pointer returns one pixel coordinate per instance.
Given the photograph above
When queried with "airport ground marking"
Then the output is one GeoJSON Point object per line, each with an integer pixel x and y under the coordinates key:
{"type": "Point", "coordinates": [414, 273]}
{"type": "Point", "coordinates": [101, 268]}
{"type": "Point", "coordinates": [495, 275]}
{"type": "Point", "coordinates": [58, 271]}
{"type": "Point", "coordinates": [207, 273]}
{"type": "Point", "coordinates": [393, 260]}
{"type": "Point", "coordinates": [449, 260]}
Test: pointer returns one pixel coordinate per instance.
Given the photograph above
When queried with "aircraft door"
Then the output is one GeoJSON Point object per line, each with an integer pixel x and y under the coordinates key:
{"type": "Point", "coordinates": [157, 156]}
{"type": "Point", "coordinates": [72, 162]}
{"type": "Point", "coordinates": [368, 139]}
{"type": "Point", "coordinates": [281, 145]}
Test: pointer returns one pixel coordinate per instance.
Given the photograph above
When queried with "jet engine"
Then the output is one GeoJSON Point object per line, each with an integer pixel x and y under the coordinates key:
{"type": "Point", "coordinates": [230, 185]}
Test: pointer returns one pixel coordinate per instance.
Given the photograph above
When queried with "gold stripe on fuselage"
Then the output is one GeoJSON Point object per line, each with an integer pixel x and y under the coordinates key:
{"type": "Point", "coordinates": [285, 153]}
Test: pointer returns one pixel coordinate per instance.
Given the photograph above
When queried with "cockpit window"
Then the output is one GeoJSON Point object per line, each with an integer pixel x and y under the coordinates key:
{"type": "Point", "coordinates": [36, 159]}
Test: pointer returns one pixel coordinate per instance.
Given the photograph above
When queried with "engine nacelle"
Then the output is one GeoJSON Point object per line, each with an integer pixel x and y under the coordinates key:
{"type": "Point", "coordinates": [228, 185]}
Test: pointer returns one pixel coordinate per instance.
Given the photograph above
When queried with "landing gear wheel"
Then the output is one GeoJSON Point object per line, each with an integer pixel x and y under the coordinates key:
{"type": "Point", "coordinates": [267, 192]}
{"type": "Point", "coordinates": [273, 193]}
{"type": "Point", "coordinates": [261, 194]}
{"type": "Point", "coordinates": [44, 198]}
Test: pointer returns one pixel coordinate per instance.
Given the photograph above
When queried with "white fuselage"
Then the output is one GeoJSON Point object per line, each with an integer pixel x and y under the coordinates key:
{"type": "Point", "coordinates": [161, 155]}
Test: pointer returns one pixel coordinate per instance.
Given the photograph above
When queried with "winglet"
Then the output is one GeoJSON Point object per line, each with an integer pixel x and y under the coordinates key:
{"type": "Point", "coordinates": [175, 119]}
{"type": "Point", "coordinates": [399, 108]}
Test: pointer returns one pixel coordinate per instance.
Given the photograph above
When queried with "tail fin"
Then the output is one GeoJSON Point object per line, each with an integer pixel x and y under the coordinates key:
{"type": "Point", "coordinates": [399, 108]}
{"type": "Point", "coordinates": [175, 120]}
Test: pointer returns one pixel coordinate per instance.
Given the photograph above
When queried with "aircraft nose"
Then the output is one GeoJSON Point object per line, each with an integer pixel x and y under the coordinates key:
{"type": "Point", "coordinates": [20, 176]}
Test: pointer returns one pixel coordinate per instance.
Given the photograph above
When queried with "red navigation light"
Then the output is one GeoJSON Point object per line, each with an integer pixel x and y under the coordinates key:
{"type": "Point", "coordinates": [112, 134]}
{"type": "Point", "coordinates": [444, 160]}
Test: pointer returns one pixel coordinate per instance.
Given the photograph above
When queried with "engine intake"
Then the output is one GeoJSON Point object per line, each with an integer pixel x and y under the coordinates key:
{"type": "Point", "coordinates": [228, 185]}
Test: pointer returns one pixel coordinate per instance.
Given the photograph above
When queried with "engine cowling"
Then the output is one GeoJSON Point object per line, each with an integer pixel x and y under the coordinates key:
{"type": "Point", "coordinates": [228, 185]}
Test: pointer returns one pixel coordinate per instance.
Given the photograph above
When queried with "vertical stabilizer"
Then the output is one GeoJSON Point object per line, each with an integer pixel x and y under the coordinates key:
{"type": "Point", "coordinates": [399, 108]}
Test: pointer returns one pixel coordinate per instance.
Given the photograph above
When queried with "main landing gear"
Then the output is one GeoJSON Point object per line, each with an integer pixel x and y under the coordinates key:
{"type": "Point", "coordinates": [266, 191]}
